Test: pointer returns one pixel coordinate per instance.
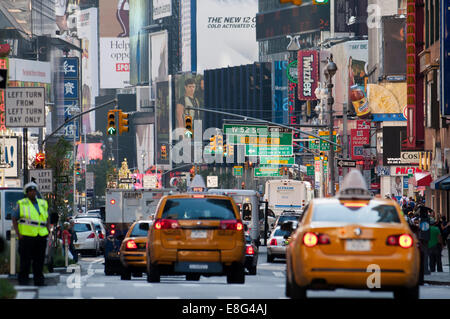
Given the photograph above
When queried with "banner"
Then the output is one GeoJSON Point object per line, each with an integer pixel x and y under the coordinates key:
{"type": "Point", "coordinates": [162, 9]}
{"type": "Point", "coordinates": [359, 138]}
{"type": "Point", "coordinates": [308, 74]}
{"type": "Point", "coordinates": [159, 59]}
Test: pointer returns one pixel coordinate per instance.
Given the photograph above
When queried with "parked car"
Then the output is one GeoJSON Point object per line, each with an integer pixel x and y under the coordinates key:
{"type": "Point", "coordinates": [288, 215]}
{"type": "Point", "coordinates": [87, 237]}
{"type": "Point", "coordinates": [251, 255]}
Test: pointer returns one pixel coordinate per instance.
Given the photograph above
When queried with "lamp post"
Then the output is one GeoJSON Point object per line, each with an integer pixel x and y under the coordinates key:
{"type": "Point", "coordinates": [329, 72]}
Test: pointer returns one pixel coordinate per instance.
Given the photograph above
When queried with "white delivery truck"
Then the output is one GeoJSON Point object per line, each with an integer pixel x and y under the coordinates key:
{"type": "Point", "coordinates": [287, 194]}
{"type": "Point", "coordinates": [122, 208]}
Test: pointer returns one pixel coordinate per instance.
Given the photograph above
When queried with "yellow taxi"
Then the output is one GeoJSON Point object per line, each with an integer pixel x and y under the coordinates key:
{"type": "Point", "coordinates": [132, 250]}
{"type": "Point", "coordinates": [353, 241]}
{"type": "Point", "coordinates": [196, 234]}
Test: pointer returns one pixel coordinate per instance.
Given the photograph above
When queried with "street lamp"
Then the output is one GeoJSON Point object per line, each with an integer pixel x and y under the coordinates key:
{"type": "Point", "coordinates": [329, 72]}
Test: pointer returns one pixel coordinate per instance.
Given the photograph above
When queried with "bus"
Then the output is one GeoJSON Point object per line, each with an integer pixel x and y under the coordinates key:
{"type": "Point", "coordinates": [287, 194]}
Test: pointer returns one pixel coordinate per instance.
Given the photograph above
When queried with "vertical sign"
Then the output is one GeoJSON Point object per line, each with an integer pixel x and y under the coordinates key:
{"type": "Point", "coordinates": [70, 68]}
{"type": "Point", "coordinates": [411, 72]}
{"type": "Point", "coordinates": [308, 74]}
{"type": "Point", "coordinates": [445, 58]}
{"type": "Point", "coordinates": [3, 66]}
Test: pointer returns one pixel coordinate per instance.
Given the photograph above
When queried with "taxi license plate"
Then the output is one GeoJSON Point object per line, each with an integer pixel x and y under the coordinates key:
{"type": "Point", "coordinates": [357, 245]}
{"type": "Point", "coordinates": [198, 234]}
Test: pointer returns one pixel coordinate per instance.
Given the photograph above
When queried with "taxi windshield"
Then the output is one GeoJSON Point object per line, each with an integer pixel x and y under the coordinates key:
{"type": "Point", "coordinates": [371, 213]}
{"type": "Point", "coordinates": [194, 208]}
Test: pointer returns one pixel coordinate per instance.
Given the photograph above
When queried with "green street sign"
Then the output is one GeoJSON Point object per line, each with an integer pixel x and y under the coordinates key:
{"type": "Point", "coordinates": [314, 143]}
{"type": "Point", "coordinates": [267, 171]}
{"type": "Point", "coordinates": [238, 170]}
{"type": "Point", "coordinates": [255, 134]}
{"type": "Point", "coordinates": [310, 170]}
{"type": "Point", "coordinates": [325, 146]}
{"type": "Point", "coordinates": [277, 160]}
{"type": "Point", "coordinates": [266, 150]}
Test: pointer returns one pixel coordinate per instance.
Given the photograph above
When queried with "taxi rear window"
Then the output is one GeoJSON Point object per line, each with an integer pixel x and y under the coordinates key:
{"type": "Point", "coordinates": [138, 232]}
{"type": "Point", "coordinates": [195, 208]}
{"type": "Point", "coordinates": [372, 213]}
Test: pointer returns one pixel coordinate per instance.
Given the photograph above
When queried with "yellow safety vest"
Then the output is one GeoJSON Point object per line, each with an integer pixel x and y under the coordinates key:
{"type": "Point", "coordinates": [31, 223]}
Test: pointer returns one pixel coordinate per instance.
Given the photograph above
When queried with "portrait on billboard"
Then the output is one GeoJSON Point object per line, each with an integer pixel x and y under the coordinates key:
{"type": "Point", "coordinates": [397, 186]}
{"type": "Point", "coordinates": [122, 14]}
{"type": "Point", "coordinates": [189, 93]}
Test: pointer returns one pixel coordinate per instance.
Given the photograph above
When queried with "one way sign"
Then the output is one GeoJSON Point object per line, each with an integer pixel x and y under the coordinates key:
{"type": "Point", "coordinates": [3, 78]}
{"type": "Point", "coordinates": [346, 163]}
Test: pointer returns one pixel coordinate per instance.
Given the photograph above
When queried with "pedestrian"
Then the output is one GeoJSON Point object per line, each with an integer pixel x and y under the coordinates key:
{"type": "Point", "coordinates": [31, 223]}
{"type": "Point", "coordinates": [73, 239]}
{"type": "Point", "coordinates": [66, 237]}
{"type": "Point", "coordinates": [411, 203]}
{"type": "Point", "coordinates": [435, 247]}
{"type": "Point", "coordinates": [424, 236]}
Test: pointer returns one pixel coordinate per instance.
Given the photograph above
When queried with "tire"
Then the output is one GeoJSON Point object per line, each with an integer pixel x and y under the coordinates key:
{"type": "Point", "coordinates": [108, 269]}
{"type": "Point", "coordinates": [125, 274]}
{"type": "Point", "coordinates": [407, 293]}
{"type": "Point", "coordinates": [236, 274]}
{"type": "Point", "coordinates": [153, 273]}
{"type": "Point", "coordinates": [192, 277]}
{"type": "Point", "coordinates": [287, 291]}
{"type": "Point", "coordinates": [252, 270]}
{"type": "Point", "coordinates": [269, 258]}
{"type": "Point", "coordinates": [293, 290]}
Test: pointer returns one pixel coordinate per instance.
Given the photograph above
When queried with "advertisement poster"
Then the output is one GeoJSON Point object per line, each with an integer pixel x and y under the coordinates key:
{"type": "Point", "coordinates": [187, 32]}
{"type": "Point", "coordinates": [159, 58]}
{"type": "Point", "coordinates": [359, 138]}
{"type": "Point", "coordinates": [351, 76]}
{"type": "Point", "coordinates": [87, 30]}
{"type": "Point", "coordinates": [189, 91]}
{"type": "Point", "coordinates": [145, 146]}
{"type": "Point", "coordinates": [308, 74]}
{"type": "Point", "coordinates": [162, 118]}
{"type": "Point", "coordinates": [9, 155]}
{"type": "Point", "coordinates": [280, 103]}
{"type": "Point", "coordinates": [226, 33]}
{"type": "Point", "coordinates": [387, 98]}
{"type": "Point", "coordinates": [114, 44]}
{"type": "Point", "coordinates": [162, 9]}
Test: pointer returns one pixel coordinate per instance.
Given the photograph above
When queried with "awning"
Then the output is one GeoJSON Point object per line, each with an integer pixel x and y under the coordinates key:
{"type": "Point", "coordinates": [442, 183]}
{"type": "Point", "coordinates": [423, 179]}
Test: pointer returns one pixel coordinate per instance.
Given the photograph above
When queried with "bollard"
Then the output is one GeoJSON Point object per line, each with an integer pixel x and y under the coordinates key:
{"type": "Point", "coordinates": [66, 248]}
{"type": "Point", "coordinates": [12, 262]}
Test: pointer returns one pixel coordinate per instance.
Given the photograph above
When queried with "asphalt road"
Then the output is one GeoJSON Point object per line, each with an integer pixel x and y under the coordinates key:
{"type": "Point", "coordinates": [269, 283]}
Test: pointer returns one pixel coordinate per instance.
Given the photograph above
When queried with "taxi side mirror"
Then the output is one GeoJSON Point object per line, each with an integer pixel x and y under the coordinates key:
{"type": "Point", "coordinates": [144, 226]}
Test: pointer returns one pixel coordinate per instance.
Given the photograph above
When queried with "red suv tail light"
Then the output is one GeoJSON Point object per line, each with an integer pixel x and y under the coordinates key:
{"type": "Point", "coordinates": [131, 245]}
{"type": "Point", "coordinates": [91, 235]}
{"type": "Point", "coordinates": [273, 242]}
{"type": "Point", "coordinates": [404, 241]}
{"type": "Point", "coordinates": [100, 235]}
{"type": "Point", "coordinates": [231, 224]}
{"type": "Point", "coordinates": [166, 224]}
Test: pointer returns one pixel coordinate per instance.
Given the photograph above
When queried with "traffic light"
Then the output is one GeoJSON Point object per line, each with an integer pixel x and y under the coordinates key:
{"type": "Point", "coordinates": [192, 172]}
{"type": "Point", "coordinates": [213, 143]}
{"type": "Point", "coordinates": [230, 151]}
{"type": "Point", "coordinates": [111, 130]}
{"type": "Point", "coordinates": [320, 1]}
{"type": "Point", "coordinates": [77, 168]}
{"type": "Point", "coordinates": [219, 139]}
{"type": "Point", "coordinates": [123, 122]}
{"type": "Point", "coordinates": [296, 2]}
{"type": "Point", "coordinates": [40, 160]}
{"type": "Point", "coordinates": [163, 151]}
{"type": "Point", "coordinates": [188, 126]}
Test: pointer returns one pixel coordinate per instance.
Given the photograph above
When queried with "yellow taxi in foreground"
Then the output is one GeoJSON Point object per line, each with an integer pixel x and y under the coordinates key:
{"type": "Point", "coordinates": [196, 234]}
{"type": "Point", "coordinates": [353, 241]}
{"type": "Point", "coordinates": [132, 250]}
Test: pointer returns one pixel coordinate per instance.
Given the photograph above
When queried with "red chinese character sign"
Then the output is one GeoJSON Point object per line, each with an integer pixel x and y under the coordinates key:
{"type": "Point", "coordinates": [359, 138]}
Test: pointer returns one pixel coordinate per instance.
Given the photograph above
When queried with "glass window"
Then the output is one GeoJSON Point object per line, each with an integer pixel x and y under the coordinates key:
{"type": "Point", "coordinates": [138, 232]}
{"type": "Point", "coordinates": [11, 205]}
{"type": "Point", "coordinates": [286, 218]}
{"type": "Point", "coordinates": [81, 227]}
{"type": "Point", "coordinates": [194, 208]}
{"type": "Point", "coordinates": [372, 213]}
{"type": "Point", "coordinates": [281, 233]}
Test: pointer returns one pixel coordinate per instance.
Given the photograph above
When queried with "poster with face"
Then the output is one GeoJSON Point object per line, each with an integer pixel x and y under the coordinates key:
{"type": "Point", "coordinates": [397, 186]}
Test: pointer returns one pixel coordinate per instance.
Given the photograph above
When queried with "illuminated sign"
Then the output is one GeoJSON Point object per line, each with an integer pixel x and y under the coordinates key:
{"type": "Point", "coordinates": [411, 72]}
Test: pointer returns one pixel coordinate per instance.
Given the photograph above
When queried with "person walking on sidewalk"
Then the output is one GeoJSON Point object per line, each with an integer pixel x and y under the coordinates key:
{"type": "Point", "coordinates": [424, 236]}
{"type": "Point", "coordinates": [73, 239]}
{"type": "Point", "coordinates": [435, 247]}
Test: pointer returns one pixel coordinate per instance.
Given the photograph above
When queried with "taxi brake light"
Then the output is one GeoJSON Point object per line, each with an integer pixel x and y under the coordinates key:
{"type": "Point", "coordinates": [166, 224]}
{"type": "Point", "coordinates": [310, 239]}
{"type": "Point", "coordinates": [231, 225]}
{"type": "Point", "coordinates": [249, 250]}
{"type": "Point", "coordinates": [131, 245]}
{"type": "Point", "coordinates": [324, 239]}
{"type": "Point", "coordinates": [405, 241]}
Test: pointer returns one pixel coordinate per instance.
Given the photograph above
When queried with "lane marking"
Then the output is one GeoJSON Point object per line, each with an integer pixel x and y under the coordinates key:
{"type": "Point", "coordinates": [168, 297]}
{"type": "Point", "coordinates": [278, 273]}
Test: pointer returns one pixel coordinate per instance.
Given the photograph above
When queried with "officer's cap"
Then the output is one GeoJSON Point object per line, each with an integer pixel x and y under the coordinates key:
{"type": "Point", "coordinates": [30, 186]}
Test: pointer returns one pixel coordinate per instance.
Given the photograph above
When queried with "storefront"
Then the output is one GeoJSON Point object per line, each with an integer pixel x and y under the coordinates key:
{"type": "Point", "coordinates": [440, 195]}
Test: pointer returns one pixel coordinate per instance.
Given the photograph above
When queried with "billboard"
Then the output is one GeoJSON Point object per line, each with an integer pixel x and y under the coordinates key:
{"type": "Point", "coordinates": [387, 98]}
{"type": "Point", "coordinates": [187, 10]}
{"type": "Point", "coordinates": [350, 79]}
{"type": "Point", "coordinates": [87, 30]}
{"type": "Point", "coordinates": [392, 141]}
{"type": "Point", "coordinates": [162, 119]}
{"type": "Point", "coordinates": [308, 74]}
{"type": "Point", "coordinates": [114, 44]}
{"type": "Point", "coordinates": [226, 33]}
{"type": "Point", "coordinates": [350, 16]}
{"type": "Point", "coordinates": [394, 40]}
{"type": "Point", "coordinates": [189, 91]}
{"type": "Point", "coordinates": [280, 102]}
{"type": "Point", "coordinates": [159, 58]}
{"type": "Point", "coordinates": [10, 154]}
{"type": "Point", "coordinates": [445, 58]}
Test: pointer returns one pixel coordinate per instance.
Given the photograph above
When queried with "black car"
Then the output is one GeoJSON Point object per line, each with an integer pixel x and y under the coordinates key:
{"type": "Point", "coordinates": [251, 255]}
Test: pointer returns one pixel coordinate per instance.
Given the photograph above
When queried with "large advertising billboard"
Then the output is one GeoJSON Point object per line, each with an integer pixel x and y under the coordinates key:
{"type": "Point", "coordinates": [308, 74]}
{"type": "Point", "coordinates": [114, 44]}
{"type": "Point", "coordinates": [445, 58]}
{"type": "Point", "coordinates": [189, 91]}
{"type": "Point", "coordinates": [87, 30]}
{"type": "Point", "coordinates": [387, 98]}
{"type": "Point", "coordinates": [226, 33]}
{"type": "Point", "coordinates": [159, 59]}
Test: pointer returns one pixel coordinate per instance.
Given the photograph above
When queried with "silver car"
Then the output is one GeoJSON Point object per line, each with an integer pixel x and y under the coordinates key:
{"type": "Point", "coordinates": [276, 247]}
{"type": "Point", "coordinates": [87, 237]}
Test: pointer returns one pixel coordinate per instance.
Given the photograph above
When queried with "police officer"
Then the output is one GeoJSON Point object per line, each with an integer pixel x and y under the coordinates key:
{"type": "Point", "coordinates": [31, 223]}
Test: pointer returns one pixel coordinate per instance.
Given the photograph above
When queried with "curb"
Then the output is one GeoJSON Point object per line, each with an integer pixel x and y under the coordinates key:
{"type": "Point", "coordinates": [437, 283]}
{"type": "Point", "coordinates": [50, 279]}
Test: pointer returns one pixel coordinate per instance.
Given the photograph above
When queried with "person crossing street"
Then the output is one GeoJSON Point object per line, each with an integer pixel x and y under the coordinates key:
{"type": "Point", "coordinates": [31, 223]}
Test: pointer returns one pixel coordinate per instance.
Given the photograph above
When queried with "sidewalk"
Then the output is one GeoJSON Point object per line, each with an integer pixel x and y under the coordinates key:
{"type": "Point", "coordinates": [440, 278]}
